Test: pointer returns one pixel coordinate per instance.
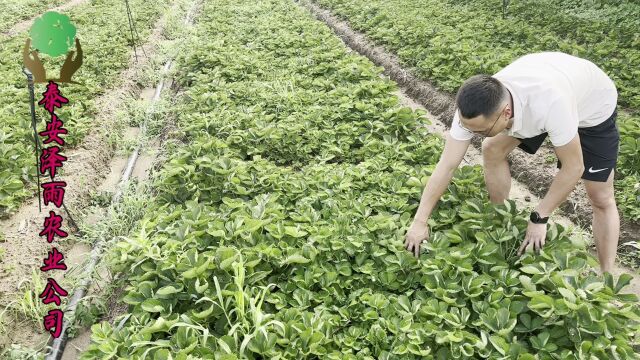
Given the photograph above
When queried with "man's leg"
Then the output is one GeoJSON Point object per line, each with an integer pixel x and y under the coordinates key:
{"type": "Point", "coordinates": [606, 221]}
{"type": "Point", "coordinates": [496, 167]}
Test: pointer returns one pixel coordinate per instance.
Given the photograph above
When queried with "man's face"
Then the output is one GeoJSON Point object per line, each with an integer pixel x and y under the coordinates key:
{"type": "Point", "coordinates": [488, 126]}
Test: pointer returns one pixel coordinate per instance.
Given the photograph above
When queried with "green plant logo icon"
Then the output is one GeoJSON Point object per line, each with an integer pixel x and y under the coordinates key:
{"type": "Point", "coordinates": [52, 33]}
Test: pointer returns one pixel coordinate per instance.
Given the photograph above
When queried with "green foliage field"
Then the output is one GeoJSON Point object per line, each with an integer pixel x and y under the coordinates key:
{"type": "Point", "coordinates": [277, 223]}
{"type": "Point", "coordinates": [448, 41]}
{"type": "Point", "coordinates": [15, 11]}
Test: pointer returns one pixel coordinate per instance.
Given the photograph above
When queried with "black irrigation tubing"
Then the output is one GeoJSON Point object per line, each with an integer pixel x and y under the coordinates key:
{"type": "Point", "coordinates": [58, 344]}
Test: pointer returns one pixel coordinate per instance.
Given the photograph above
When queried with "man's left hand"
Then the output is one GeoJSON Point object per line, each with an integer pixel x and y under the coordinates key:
{"type": "Point", "coordinates": [536, 234]}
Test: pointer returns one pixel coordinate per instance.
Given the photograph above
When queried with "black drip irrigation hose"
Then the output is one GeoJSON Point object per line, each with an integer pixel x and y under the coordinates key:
{"type": "Point", "coordinates": [58, 344]}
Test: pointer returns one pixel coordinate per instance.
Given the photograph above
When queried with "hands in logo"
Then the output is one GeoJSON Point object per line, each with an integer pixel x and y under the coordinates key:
{"type": "Point", "coordinates": [34, 64]}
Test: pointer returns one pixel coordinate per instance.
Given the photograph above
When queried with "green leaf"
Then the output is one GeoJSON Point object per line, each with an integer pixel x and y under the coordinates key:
{"type": "Point", "coordinates": [296, 259]}
{"type": "Point", "coordinates": [152, 305]}
{"type": "Point", "coordinates": [499, 344]}
{"type": "Point", "coordinates": [166, 291]}
{"type": "Point", "coordinates": [294, 231]}
{"type": "Point", "coordinates": [567, 294]}
{"type": "Point", "coordinates": [530, 269]}
{"type": "Point", "coordinates": [623, 280]}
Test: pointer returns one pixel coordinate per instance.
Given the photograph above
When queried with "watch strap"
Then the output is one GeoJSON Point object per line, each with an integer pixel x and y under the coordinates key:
{"type": "Point", "coordinates": [537, 219]}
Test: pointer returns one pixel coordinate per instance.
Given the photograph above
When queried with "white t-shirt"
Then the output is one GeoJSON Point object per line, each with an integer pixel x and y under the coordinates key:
{"type": "Point", "coordinates": [555, 93]}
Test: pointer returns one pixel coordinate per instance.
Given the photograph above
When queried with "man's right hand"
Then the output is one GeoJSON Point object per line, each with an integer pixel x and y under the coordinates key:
{"type": "Point", "coordinates": [452, 155]}
{"type": "Point", "coordinates": [417, 233]}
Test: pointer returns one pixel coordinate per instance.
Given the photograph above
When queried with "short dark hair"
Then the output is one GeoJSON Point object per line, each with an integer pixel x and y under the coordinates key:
{"type": "Point", "coordinates": [480, 95]}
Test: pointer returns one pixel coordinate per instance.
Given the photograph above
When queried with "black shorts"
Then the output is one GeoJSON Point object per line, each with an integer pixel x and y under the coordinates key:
{"type": "Point", "coordinates": [600, 145]}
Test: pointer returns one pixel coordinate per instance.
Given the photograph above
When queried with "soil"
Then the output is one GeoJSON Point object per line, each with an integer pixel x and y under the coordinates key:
{"type": "Point", "coordinates": [531, 174]}
{"type": "Point", "coordinates": [145, 163]}
{"type": "Point", "coordinates": [76, 346]}
{"type": "Point", "coordinates": [149, 155]}
{"type": "Point", "coordinates": [147, 93]}
{"type": "Point", "coordinates": [531, 170]}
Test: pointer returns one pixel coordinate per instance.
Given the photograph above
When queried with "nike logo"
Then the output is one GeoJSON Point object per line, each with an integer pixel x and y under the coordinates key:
{"type": "Point", "coordinates": [595, 171]}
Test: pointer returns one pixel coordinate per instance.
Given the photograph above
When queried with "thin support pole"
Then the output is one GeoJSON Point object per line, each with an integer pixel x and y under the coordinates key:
{"type": "Point", "coordinates": [35, 130]}
{"type": "Point", "coordinates": [135, 29]}
{"type": "Point", "coordinates": [73, 222]}
{"type": "Point", "coordinates": [134, 32]}
{"type": "Point", "coordinates": [133, 39]}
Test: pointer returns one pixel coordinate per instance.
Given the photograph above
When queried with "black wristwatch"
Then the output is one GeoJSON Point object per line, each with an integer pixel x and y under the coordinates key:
{"type": "Point", "coordinates": [536, 219]}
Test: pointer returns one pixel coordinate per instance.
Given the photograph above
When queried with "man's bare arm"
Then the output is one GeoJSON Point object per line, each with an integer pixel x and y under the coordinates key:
{"type": "Point", "coordinates": [565, 181]}
{"type": "Point", "coordinates": [452, 155]}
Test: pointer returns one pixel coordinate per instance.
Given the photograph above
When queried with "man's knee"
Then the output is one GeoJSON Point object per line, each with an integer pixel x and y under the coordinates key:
{"type": "Point", "coordinates": [493, 150]}
{"type": "Point", "coordinates": [602, 200]}
{"type": "Point", "coordinates": [601, 194]}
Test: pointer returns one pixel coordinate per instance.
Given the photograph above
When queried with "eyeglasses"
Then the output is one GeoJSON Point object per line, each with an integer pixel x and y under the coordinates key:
{"type": "Point", "coordinates": [483, 134]}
